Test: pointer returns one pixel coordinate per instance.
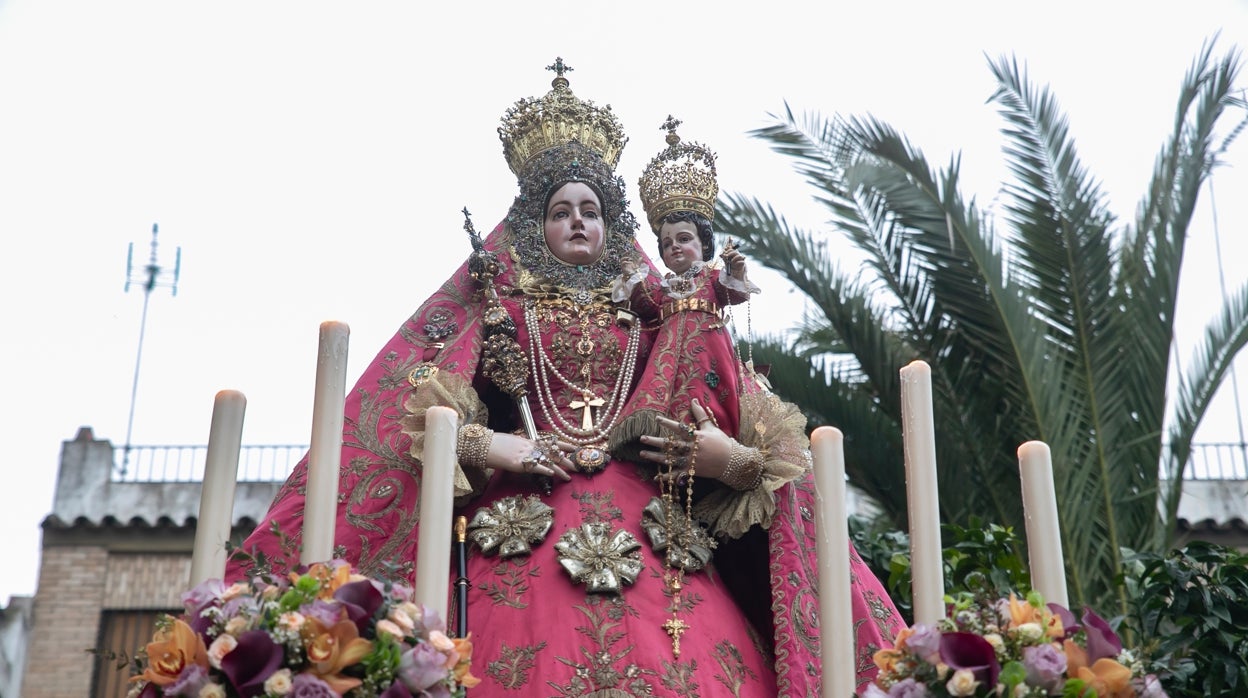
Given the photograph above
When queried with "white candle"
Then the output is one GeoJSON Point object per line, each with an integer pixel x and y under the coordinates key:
{"type": "Point", "coordinates": [836, 612]}
{"type": "Point", "coordinates": [437, 492]}
{"type": "Point", "coordinates": [320, 510]}
{"type": "Point", "coordinates": [216, 498]}
{"type": "Point", "coordinates": [1044, 535]}
{"type": "Point", "coordinates": [922, 497]}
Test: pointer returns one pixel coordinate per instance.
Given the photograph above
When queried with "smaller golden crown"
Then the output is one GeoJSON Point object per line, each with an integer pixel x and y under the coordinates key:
{"type": "Point", "coordinates": [680, 178]}
{"type": "Point", "coordinates": [533, 125]}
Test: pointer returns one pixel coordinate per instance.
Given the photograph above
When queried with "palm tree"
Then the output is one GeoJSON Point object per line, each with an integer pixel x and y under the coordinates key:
{"type": "Point", "coordinates": [1052, 322]}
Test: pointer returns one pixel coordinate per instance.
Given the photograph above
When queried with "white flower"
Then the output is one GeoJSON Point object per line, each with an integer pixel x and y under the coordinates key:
{"type": "Point", "coordinates": [963, 683]}
{"type": "Point", "coordinates": [223, 645]}
{"type": "Point", "coordinates": [995, 640]}
{"type": "Point", "coordinates": [279, 683]}
{"type": "Point", "coordinates": [291, 620]}
{"type": "Point", "coordinates": [403, 618]}
{"type": "Point", "coordinates": [1030, 632]}
{"type": "Point", "coordinates": [212, 690]}
{"type": "Point", "coordinates": [440, 641]}
{"type": "Point", "coordinates": [389, 627]}
{"type": "Point", "coordinates": [235, 626]}
{"type": "Point", "coordinates": [236, 589]}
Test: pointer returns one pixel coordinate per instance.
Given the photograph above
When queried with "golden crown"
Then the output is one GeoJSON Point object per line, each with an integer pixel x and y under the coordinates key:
{"type": "Point", "coordinates": [533, 125]}
{"type": "Point", "coordinates": [680, 178]}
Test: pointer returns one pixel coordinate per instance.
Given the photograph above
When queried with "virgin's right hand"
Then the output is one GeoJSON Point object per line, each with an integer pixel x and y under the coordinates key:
{"type": "Point", "coordinates": [517, 454]}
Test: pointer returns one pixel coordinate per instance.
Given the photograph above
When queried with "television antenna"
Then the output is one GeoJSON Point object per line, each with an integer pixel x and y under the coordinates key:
{"type": "Point", "coordinates": [149, 277]}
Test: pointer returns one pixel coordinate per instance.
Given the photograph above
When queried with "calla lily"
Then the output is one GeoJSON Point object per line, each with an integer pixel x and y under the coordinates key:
{"type": "Point", "coordinates": [1103, 642]}
{"type": "Point", "coordinates": [463, 646]}
{"type": "Point", "coordinates": [970, 652]}
{"type": "Point", "coordinates": [252, 660]}
{"type": "Point", "coordinates": [333, 649]}
{"type": "Point", "coordinates": [361, 600]}
{"type": "Point", "coordinates": [171, 651]}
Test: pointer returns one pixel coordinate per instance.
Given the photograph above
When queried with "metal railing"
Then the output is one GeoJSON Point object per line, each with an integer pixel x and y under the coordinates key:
{"type": "Point", "coordinates": [1209, 461]}
{"type": "Point", "coordinates": [186, 463]}
{"type": "Point", "coordinates": [1217, 461]}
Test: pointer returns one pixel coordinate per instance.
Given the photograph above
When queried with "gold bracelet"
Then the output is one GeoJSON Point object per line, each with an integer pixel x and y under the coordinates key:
{"type": "Point", "coordinates": [472, 445]}
{"type": "Point", "coordinates": [745, 468]}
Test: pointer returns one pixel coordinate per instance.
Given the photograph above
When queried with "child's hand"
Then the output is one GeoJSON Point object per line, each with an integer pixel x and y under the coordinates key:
{"type": "Point", "coordinates": [628, 266]}
{"type": "Point", "coordinates": [735, 261]}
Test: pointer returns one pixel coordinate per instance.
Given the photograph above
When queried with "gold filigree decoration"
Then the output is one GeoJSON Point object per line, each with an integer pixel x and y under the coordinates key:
{"type": "Point", "coordinates": [511, 525]}
{"type": "Point", "coordinates": [601, 559]}
{"type": "Point", "coordinates": [692, 545]}
{"type": "Point", "coordinates": [680, 178]}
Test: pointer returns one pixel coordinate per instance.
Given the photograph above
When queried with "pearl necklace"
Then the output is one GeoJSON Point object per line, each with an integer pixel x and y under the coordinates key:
{"type": "Point", "coordinates": [543, 366]}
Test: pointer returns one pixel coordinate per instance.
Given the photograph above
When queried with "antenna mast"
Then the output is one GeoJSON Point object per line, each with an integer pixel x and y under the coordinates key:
{"type": "Point", "coordinates": [149, 277]}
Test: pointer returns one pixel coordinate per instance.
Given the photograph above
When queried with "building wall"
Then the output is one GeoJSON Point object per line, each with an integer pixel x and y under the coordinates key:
{"type": "Point", "coordinates": [72, 583]}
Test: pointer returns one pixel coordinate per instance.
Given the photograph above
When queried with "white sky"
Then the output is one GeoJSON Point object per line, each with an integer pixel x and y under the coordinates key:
{"type": "Point", "coordinates": [310, 159]}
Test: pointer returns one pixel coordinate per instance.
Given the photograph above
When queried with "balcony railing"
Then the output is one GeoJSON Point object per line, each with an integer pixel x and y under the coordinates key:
{"type": "Point", "coordinates": [1209, 461]}
{"type": "Point", "coordinates": [186, 463]}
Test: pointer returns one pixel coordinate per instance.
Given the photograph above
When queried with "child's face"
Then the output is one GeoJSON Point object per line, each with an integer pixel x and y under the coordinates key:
{"type": "Point", "coordinates": [679, 245]}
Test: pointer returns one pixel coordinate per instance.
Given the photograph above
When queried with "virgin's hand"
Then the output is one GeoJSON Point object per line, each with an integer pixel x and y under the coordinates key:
{"type": "Point", "coordinates": [517, 454]}
{"type": "Point", "coordinates": [713, 446]}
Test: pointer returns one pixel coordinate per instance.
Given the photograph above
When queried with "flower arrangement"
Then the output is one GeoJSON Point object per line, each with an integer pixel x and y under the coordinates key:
{"type": "Point", "coordinates": [1012, 648]}
{"type": "Point", "coordinates": [322, 633]}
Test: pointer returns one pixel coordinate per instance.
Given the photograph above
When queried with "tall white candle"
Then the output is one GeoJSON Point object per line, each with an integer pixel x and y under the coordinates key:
{"type": "Point", "coordinates": [437, 492]}
{"type": "Point", "coordinates": [216, 498]}
{"type": "Point", "coordinates": [836, 612]}
{"type": "Point", "coordinates": [325, 454]}
{"type": "Point", "coordinates": [1044, 535]}
{"type": "Point", "coordinates": [922, 497]}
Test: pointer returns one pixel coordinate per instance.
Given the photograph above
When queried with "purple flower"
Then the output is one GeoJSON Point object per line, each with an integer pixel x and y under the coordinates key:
{"type": "Point", "coordinates": [1152, 688]}
{"type": "Point", "coordinates": [428, 620]}
{"type": "Point", "coordinates": [192, 678]}
{"type": "Point", "coordinates": [973, 653]}
{"type": "Point", "coordinates": [361, 599]}
{"type": "Point", "coordinates": [1103, 642]}
{"type": "Point", "coordinates": [438, 690]}
{"type": "Point", "coordinates": [201, 597]}
{"type": "Point", "coordinates": [908, 688]}
{"type": "Point", "coordinates": [396, 690]}
{"type": "Point", "coordinates": [1045, 666]}
{"type": "Point", "coordinates": [251, 662]}
{"type": "Point", "coordinates": [924, 642]}
{"type": "Point", "coordinates": [422, 667]}
{"type": "Point", "coordinates": [308, 686]}
{"type": "Point", "coordinates": [327, 613]}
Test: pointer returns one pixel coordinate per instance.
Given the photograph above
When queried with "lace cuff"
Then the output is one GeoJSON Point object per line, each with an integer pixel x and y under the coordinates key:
{"type": "Point", "coordinates": [743, 287]}
{"type": "Point", "coordinates": [622, 287]}
{"type": "Point", "coordinates": [448, 390]}
{"type": "Point", "coordinates": [775, 431]}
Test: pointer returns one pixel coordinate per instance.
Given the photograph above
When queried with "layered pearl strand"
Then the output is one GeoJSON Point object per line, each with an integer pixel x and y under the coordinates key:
{"type": "Point", "coordinates": [543, 367]}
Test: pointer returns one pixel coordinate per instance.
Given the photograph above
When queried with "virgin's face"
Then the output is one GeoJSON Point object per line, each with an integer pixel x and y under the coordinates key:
{"type": "Point", "coordinates": [574, 228]}
{"type": "Point", "coordinates": [679, 245]}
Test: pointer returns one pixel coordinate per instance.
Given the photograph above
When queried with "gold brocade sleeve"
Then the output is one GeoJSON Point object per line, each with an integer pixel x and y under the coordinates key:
{"type": "Point", "coordinates": [446, 389]}
{"type": "Point", "coordinates": [778, 429]}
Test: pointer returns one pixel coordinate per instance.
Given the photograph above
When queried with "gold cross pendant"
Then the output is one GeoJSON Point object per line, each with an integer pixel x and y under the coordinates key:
{"type": "Point", "coordinates": [587, 403]}
{"type": "Point", "coordinates": [675, 627]}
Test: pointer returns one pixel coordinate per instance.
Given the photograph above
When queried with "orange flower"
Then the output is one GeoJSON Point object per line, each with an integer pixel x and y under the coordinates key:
{"type": "Point", "coordinates": [1023, 612]}
{"type": "Point", "coordinates": [330, 650]}
{"type": "Point", "coordinates": [171, 650]}
{"type": "Point", "coordinates": [330, 579]}
{"type": "Point", "coordinates": [886, 659]}
{"type": "Point", "coordinates": [463, 646]}
{"type": "Point", "coordinates": [1109, 678]}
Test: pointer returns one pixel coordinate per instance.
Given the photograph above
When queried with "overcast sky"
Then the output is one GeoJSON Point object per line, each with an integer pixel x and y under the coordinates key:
{"type": "Point", "coordinates": [310, 160]}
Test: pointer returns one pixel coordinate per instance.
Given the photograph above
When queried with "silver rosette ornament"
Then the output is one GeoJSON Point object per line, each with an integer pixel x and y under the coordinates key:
{"type": "Point", "coordinates": [511, 525]}
{"type": "Point", "coordinates": [691, 546]}
{"type": "Point", "coordinates": [601, 559]}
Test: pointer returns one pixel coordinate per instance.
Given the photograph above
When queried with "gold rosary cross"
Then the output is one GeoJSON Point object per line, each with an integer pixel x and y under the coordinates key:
{"type": "Point", "coordinates": [675, 627]}
{"type": "Point", "coordinates": [588, 403]}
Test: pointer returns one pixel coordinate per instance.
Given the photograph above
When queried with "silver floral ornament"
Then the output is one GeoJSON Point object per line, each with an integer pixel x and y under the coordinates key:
{"type": "Point", "coordinates": [693, 546]}
{"type": "Point", "coordinates": [511, 525]}
{"type": "Point", "coordinates": [601, 559]}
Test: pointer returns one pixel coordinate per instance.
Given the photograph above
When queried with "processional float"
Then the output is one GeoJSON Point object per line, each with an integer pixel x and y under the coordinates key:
{"type": "Point", "coordinates": [437, 486]}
